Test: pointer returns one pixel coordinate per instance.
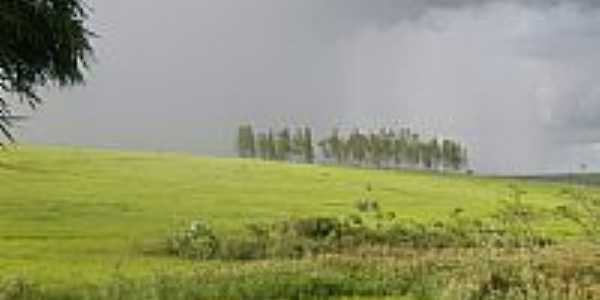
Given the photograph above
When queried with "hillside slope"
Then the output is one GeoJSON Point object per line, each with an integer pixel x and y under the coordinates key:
{"type": "Point", "coordinates": [84, 209]}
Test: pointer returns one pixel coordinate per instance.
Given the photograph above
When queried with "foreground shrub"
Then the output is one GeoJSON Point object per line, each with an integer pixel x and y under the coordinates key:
{"type": "Point", "coordinates": [511, 226]}
{"type": "Point", "coordinates": [306, 237]}
{"type": "Point", "coordinates": [196, 240]}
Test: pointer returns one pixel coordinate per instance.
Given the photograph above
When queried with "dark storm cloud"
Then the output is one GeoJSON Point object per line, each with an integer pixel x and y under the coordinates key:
{"type": "Point", "coordinates": [388, 12]}
{"type": "Point", "coordinates": [515, 79]}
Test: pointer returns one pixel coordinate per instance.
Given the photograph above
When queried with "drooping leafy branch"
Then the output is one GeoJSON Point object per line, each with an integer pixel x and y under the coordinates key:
{"type": "Point", "coordinates": [42, 42]}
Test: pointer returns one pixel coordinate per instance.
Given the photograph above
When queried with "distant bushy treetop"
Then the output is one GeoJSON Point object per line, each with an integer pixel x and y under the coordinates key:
{"type": "Point", "coordinates": [42, 42]}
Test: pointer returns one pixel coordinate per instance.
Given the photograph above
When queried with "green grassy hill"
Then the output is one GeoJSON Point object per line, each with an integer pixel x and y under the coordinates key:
{"type": "Point", "coordinates": [76, 214]}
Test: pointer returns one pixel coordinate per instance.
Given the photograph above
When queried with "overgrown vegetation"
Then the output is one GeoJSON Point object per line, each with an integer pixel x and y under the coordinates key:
{"type": "Point", "coordinates": [511, 227]}
{"type": "Point", "coordinates": [453, 274]}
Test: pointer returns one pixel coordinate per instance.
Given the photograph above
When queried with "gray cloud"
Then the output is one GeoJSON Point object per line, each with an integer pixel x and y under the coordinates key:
{"type": "Point", "coordinates": [515, 79]}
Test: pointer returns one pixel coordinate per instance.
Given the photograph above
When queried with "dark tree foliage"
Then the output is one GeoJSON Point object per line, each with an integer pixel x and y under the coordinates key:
{"type": "Point", "coordinates": [307, 147]}
{"type": "Point", "coordinates": [389, 149]}
{"type": "Point", "coordinates": [245, 143]}
{"type": "Point", "coordinates": [271, 146]}
{"type": "Point", "coordinates": [284, 144]}
{"type": "Point", "coordinates": [336, 145]}
{"type": "Point", "coordinates": [42, 42]}
{"type": "Point", "coordinates": [385, 148]}
{"type": "Point", "coordinates": [298, 142]}
{"type": "Point", "coordinates": [262, 143]}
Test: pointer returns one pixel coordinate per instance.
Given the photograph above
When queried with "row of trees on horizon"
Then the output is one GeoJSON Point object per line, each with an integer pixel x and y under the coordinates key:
{"type": "Point", "coordinates": [283, 145]}
{"type": "Point", "coordinates": [385, 148]}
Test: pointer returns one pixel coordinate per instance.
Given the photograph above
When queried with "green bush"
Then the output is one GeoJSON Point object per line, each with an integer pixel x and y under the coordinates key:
{"type": "Point", "coordinates": [196, 240]}
{"type": "Point", "coordinates": [315, 228]}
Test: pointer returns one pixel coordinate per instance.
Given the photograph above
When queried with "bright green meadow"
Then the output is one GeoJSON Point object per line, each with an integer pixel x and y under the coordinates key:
{"type": "Point", "coordinates": [71, 215]}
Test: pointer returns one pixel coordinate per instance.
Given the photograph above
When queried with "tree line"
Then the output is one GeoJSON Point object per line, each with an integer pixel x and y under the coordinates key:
{"type": "Point", "coordinates": [385, 148]}
{"type": "Point", "coordinates": [388, 148]}
{"type": "Point", "coordinates": [282, 145]}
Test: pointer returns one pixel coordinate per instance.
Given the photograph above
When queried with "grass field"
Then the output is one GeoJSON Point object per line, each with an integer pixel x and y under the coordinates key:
{"type": "Point", "coordinates": [71, 216]}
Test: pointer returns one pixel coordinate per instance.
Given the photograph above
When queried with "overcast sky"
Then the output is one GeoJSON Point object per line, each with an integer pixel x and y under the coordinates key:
{"type": "Point", "coordinates": [518, 81]}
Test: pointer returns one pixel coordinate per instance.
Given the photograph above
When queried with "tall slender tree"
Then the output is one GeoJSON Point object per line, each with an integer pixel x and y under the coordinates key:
{"type": "Point", "coordinates": [446, 153]}
{"type": "Point", "coordinates": [246, 141]}
{"type": "Point", "coordinates": [336, 145]}
{"type": "Point", "coordinates": [401, 147]}
{"type": "Point", "coordinates": [309, 152]}
{"type": "Point", "coordinates": [436, 153]}
{"type": "Point", "coordinates": [426, 155]}
{"type": "Point", "coordinates": [376, 149]}
{"type": "Point", "coordinates": [358, 144]}
{"type": "Point", "coordinates": [387, 145]}
{"type": "Point", "coordinates": [271, 146]}
{"type": "Point", "coordinates": [284, 144]}
{"type": "Point", "coordinates": [414, 150]}
{"type": "Point", "coordinates": [298, 141]}
{"type": "Point", "coordinates": [262, 144]}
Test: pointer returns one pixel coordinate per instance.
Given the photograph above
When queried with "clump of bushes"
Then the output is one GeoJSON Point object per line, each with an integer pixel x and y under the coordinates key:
{"type": "Point", "coordinates": [293, 238]}
{"type": "Point", "coordinates": [511, 226]}
{"type": "Point", "coordinates": [196, 241]}
{"type": "Point", "coordinates": [313, 236]}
